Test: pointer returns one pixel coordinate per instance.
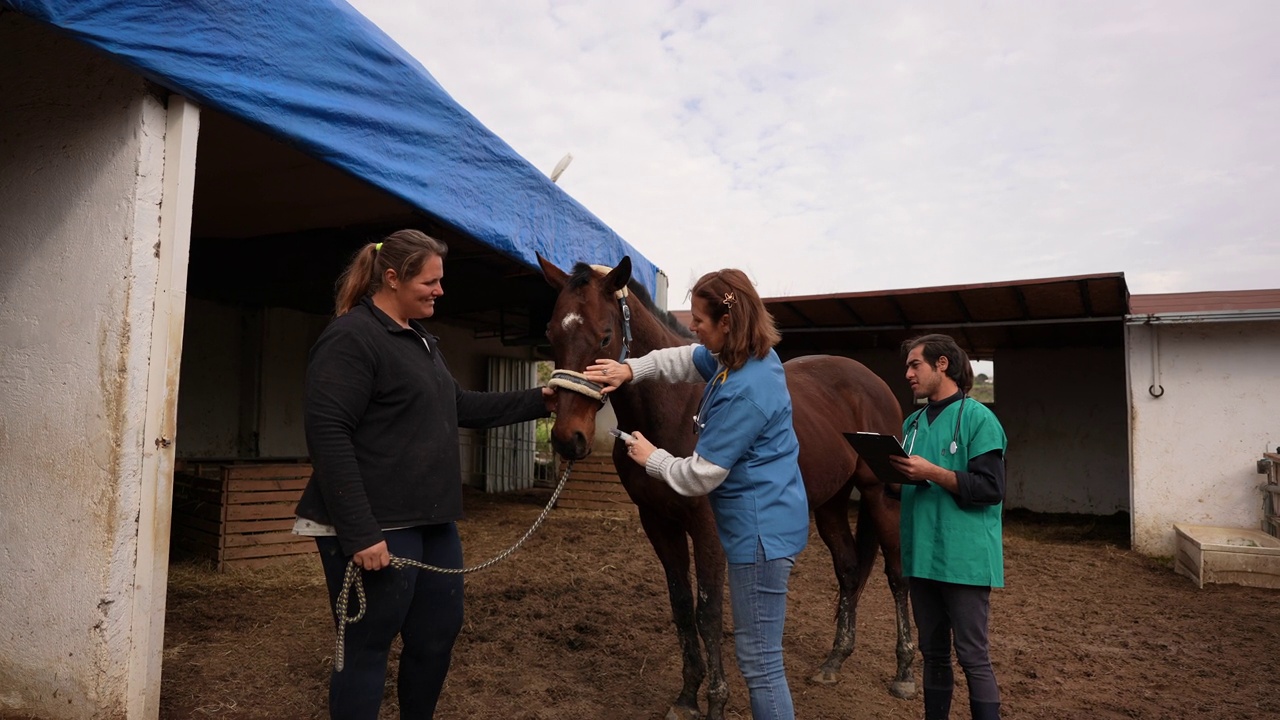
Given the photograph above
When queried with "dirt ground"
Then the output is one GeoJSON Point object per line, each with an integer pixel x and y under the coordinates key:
{"type": "Point", "coordinates": [576, 624]}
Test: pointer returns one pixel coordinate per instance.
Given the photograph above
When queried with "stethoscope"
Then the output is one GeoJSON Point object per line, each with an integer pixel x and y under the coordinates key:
{"type": "Point", "coordinates": [955, 436]}
{"type": "Point", "coordinates": [707, 393]}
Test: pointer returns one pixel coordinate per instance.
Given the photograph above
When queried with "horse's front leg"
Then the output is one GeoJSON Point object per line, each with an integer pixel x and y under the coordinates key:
{"type": "Point", "coordinates": [710, 567]}
{"type": "Point", "coordinates": [668, 540]}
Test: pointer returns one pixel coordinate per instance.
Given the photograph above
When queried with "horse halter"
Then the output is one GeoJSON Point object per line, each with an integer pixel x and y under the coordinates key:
{"type": "Point", "coordinates": [576, 381]}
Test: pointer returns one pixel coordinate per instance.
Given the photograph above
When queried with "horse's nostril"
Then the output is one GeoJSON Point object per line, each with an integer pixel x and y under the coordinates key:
{"type": "Point", "coordinates": [573, 447]}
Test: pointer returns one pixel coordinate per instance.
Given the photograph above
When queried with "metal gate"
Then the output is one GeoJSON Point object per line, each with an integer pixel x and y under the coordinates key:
{"type": "Point", "coordinates": [509, 452]}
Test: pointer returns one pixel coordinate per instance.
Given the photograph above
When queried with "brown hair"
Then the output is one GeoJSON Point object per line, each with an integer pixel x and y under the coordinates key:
{"type": "Point", "coordinates": [404, 251]}
{"type": "Point", "coordinates": [752, 332]}
{"type": "Point", "coordinates": [937, 345]}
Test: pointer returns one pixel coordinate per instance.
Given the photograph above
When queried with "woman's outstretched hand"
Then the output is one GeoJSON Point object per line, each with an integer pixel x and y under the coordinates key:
{"type": "Point", "coordinates": [639, 449]}
{"type": "Point", "coordinates": [609, 374]}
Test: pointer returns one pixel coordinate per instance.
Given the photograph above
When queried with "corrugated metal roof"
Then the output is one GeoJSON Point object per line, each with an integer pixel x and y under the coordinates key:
{"type": "Point", "coordinates": [1080, 310]}
{"type": "Point", "coordinates": [1049, 312]}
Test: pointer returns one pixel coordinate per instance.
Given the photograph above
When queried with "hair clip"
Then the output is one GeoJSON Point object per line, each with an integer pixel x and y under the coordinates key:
{"type": "Point", "coordinates": [377, 247]}
{"type": "Point", "coordinates": [729, 300]}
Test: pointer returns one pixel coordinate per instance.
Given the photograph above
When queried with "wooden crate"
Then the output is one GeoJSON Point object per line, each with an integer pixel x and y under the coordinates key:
{"type": "Point", "coordinates": [594, 485]}
{"type": "Point", "coordinates": [238, 514]}
{"type": "Point", "coordinates": [1208, 554]}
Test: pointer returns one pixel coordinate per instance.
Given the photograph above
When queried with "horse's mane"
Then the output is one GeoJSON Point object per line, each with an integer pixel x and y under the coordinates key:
{"type": "Point", "coordinates": [584, 273]}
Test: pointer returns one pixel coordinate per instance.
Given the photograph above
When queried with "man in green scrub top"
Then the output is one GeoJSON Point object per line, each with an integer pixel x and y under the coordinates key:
{"type": "Point", "coordinates": [951, 524]}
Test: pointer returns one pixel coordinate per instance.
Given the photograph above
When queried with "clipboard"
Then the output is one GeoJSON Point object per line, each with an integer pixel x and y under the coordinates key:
{"type": "Point", "coordinates": [876, 450]}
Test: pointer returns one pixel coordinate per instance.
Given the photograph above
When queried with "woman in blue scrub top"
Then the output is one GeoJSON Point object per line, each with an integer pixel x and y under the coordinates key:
{"type": "Point", "coordinates": [746, 461]}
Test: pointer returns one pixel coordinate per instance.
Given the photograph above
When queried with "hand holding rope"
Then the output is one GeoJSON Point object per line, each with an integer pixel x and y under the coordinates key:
{"type": "Point", "coordinates": [351, 579]}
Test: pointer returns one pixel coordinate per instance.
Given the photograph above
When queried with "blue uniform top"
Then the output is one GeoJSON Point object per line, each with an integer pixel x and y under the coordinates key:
{"type": "Point", "coordinates": [744, 424]}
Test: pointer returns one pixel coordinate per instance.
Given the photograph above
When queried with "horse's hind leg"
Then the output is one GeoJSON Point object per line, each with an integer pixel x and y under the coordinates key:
{"type": "Point", "coordinates": [883, 513]}
{"type": "Point", "coordinates": [668, 540]}
{"type": "Point", "coordinates": [852, 562]}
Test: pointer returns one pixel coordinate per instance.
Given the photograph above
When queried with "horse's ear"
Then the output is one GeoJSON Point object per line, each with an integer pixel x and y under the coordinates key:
{"type": "Point", "coordinates": [555, 277]}
{"type": "Point", "coordinates": [619, 276]}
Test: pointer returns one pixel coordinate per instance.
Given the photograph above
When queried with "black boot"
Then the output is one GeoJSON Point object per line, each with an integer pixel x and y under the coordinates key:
{"type": "Point", "coordinates": [937, 703]}
{"type": "Point", "coordinates": [984, 710]}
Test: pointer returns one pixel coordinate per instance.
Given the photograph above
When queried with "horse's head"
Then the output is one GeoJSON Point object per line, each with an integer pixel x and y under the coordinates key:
{"type": "Point", "coordinates": [587, 323]}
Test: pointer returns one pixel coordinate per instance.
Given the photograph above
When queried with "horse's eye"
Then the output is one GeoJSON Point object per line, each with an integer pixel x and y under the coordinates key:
{"type": "Point", "coordinates": [604, 342]}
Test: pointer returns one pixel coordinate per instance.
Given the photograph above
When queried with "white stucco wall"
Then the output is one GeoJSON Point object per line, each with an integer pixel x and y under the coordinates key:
{"type": "Point", "coordinates": [1195, 449]}
{"type": "Point", "coordinates": [81, 167]}
{"type": "Point", "coordinates": [1064, 413]}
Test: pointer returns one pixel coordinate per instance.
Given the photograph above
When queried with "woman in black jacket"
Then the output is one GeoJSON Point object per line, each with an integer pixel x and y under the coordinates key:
{"type": "Point", "coordinates": [382, 417]}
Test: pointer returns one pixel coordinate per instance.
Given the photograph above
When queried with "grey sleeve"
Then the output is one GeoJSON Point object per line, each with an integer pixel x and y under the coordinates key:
{"type": "Point", "coordinates": [673, 364]}
{"type": "Point", "coordinates": [690, 476]}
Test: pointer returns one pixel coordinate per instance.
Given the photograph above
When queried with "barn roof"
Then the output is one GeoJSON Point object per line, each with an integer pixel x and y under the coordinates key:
{"type": "Point", "coordinates": [1080, 310]}
{"type": "Point", "coordinates": [1045, 312]}
{"type": "Point", "coordinates": [1239, 302]}
{"type": "Point", "coordinates": [324, 79]}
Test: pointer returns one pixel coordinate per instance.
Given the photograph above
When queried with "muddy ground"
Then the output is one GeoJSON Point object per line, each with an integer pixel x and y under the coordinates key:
{"type": "Point", "coordinates": [576, 625]}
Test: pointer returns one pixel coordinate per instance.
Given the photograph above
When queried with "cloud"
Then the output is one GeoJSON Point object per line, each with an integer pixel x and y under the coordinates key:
{"type": "Point", "coordinates": [828, 147]}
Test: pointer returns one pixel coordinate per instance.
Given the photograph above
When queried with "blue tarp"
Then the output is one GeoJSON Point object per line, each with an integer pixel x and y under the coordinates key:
{"type": "Point", "coordinates": [320, 76]}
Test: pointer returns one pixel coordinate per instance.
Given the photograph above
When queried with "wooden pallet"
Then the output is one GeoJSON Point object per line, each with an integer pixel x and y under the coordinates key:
{"type": "Point", "coordinates": [594, 485]}
{"type": "Point", "coordinates": [238, 514]}
{"type": "Point", "coordinates": [1270, 464]}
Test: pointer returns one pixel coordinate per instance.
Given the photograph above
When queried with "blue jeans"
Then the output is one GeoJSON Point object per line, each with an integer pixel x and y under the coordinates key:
{"type": "Point", "coordinates": [423, 608]}
{"type": "Point", "coordinates": [758, 594]}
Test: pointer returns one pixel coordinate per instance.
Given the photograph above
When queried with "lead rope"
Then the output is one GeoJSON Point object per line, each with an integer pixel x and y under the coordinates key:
{"type": "Point", "coordinates": [352, 577]}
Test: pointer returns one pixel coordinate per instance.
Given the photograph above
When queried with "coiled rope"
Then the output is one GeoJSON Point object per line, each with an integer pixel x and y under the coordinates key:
{"type": "Point", "coordinates": [352, 577]}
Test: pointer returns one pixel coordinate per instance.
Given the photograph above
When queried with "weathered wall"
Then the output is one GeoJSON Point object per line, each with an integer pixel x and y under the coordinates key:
{"type": "Point", "coordinates": [889, 365]}
{"type": "Point", "coordinates": [81, 166]}
{"type": "Point", "coordinates": [1195, 448]}
{"type": "Point", "coordinates": [209, 396]}
{"type": "Point", "coordinates": [1064, 412]}
{"type": "Point", "coordinates": [286, 342]}
{"type": "Point", "coordinates": [243, 372]}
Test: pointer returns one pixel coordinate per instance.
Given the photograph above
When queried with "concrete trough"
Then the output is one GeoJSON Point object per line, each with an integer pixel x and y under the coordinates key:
{"type": "Point", "coordinates": [1208, 554]}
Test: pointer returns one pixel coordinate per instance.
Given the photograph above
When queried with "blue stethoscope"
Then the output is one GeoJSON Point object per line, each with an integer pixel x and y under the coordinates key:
{"type": "Point", "coordinates": [955, 436]}
{"type": "Point", "coordinates": [707, 393]}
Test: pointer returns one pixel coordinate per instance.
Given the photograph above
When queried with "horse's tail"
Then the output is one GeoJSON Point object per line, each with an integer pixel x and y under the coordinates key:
{"type": "Point", "coordinates": [865, 541]}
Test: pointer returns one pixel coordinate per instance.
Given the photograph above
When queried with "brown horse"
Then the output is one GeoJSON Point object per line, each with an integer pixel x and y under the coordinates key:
{"type": "Point", "coordinates": [830, 396]}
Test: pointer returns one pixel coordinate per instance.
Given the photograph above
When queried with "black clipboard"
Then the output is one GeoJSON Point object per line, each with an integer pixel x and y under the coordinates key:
{"type": "Point", "coordinates": [876, 450]}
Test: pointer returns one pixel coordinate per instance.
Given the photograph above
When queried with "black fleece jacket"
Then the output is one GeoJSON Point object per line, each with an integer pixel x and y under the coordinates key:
{"type": "Point", "coordinates": [382, 414]}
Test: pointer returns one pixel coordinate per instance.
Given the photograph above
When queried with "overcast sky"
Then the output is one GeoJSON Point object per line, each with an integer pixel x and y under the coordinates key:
{"type": "Point", "coordinates": [846, 146]}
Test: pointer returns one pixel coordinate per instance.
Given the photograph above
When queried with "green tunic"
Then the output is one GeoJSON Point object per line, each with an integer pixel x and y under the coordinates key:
{"type": "Point", "coordinates": [941, 540]}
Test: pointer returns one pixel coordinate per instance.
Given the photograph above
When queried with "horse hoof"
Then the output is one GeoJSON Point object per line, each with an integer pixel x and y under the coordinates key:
{"type": "Point", "coordinates": [903, 689]}
{"type": "Point", "coordinates": [683, 713]}
{"type": "Point", "coordinates": [825, 677]}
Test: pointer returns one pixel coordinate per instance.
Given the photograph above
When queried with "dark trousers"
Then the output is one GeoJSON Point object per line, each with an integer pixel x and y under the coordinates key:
{"type": "Point", "coordinates": [423, 607]}
{"type": "Point", "coordinates": [947, 613]}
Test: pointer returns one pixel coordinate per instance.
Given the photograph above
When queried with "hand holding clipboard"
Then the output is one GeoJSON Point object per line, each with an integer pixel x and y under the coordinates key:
{"type": "Point", "coordinates": [876, 449]}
